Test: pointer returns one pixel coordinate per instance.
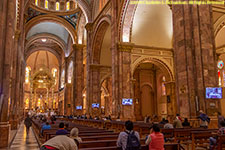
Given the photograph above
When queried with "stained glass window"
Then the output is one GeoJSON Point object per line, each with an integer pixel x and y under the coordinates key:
{"type": "Point", "coordinates": [220, 64]}
{"type": "Point", "coordinates": [219, 76]}
{"type": "Point", "coordinates": [163, 85]}
{"type": "Point", "coordinates": [57, 6]}
{"type": "Point", "coordinates": [68, 6]}
{"type": "Point", "coordinates": [223, 78]}
{"type": "Point", "coordinates": [46, 4]}
{"type": "Point", "coordinates": [36, 2]}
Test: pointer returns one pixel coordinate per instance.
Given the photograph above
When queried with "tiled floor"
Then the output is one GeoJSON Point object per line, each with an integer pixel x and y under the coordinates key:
{"type": "Point", "coordinates": [23, 141]}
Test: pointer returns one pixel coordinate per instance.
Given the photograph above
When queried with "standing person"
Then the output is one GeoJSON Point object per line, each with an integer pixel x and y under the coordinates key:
{"type": "Point", "coordinates": [156, 139]}
{"type": "Point", "coordinates": [129, 139]}
{"type": "Point", "coordinates": [28, 123]}
{"type": "Point", "coordinates": [204, 119]}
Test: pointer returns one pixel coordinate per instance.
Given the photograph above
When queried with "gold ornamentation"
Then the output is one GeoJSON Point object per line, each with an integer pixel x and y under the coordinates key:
{"type": "Point", "coordinates": [78, 46]}
{"type": "Point", "coordinates": [17, 34]}
{"type": "Point", "coordinates": [125, 47]}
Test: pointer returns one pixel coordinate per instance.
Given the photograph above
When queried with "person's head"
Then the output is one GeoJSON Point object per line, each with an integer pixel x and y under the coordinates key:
{"type": "Point", "coordinates": [47, 123]}
{"type": "Point", "coordinates": [166, 121]}
{"type": "Point", "coordinates": [74, 132]}
{"type": "Point", "coordinates": [222, 123]}
{"type": "Point", "coordinates": [156, 128]}
{"type": "Point", "coordinates": [61, 125]}
{"type": "Point", "coordinates": [178, 115]}
{"type": "Point", "coordinates": [185, 119]}
{"type": "Point", "coordinates": [129, 125]}
{"type": "Point", "coordinates": [163, 119]}
{"type": "Point", "coordinates": [201, 111]}
{"type": "Point", "coordinates": [219, 113]}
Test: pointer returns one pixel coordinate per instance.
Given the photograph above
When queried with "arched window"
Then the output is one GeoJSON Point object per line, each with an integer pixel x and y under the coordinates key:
{"type": "Point", "coordinates": [62, 79]}
{"type": "Point", "coordinates": [68, 6]}
{"type": "Point", "coordinates": [46, 4]}
{"type": "Point", "coordinates": [163, 86]}
{"type": "Point", "coordinates": [27, 76]}
{"type": "Point", "coordinates": [36, 2]}
{"type": "Point", "coordinates": [70, 72]}
{"type": "Point", "coordinates": [54, 72]}
{"type": "Point", "coordinates": [57, 6]}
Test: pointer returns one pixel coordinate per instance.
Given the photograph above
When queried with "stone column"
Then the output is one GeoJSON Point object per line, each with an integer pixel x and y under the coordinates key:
{"type": "Point", "coordinates": [7, 25]}
{"type": "Point", "coordinates": [15, 70]}
{"type": "Point", "coordinates": [171, 99]}
{"type": "Point", "coordinates": [95, 89]}
{"type": "Point", "coordinates": [125, 82]}
{"type": "Point", "coordinates": [66, 87]}
{"type": "Point", "coordinates": [67, 99]}
{"type": "Point", "coordinates": [115, 60]}
{"type": "Point", "coordinates": [89, 28]}
{"type": "Point", "coordinates": [78, 77]}
{"type": "Point", "coordinates": [194, 57]}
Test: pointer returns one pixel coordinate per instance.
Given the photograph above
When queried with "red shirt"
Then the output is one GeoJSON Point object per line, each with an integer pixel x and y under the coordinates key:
{"type": "Point", "coordinates": [157, 141]}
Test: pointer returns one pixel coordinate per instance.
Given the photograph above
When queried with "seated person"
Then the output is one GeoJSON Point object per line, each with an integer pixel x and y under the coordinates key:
{"type": "Point", "coordinates": [74, 135]}
{"type": "Point", "coordinates": [61, 130]}
{"type": "Point", "coordinates": [156, 139]}
{"type": "Point", "coordinates": [134, 142]}
{"type": "Point", "coordinates": [168, 125]}
{"type": "Point", "coordinates": [221, 131]}
{"type": "Point", "coordinates": [61, 142]}
{"type": "Point", "coordinates": [177, 122]}
{"type": "Point", "coordinates": [186, 123]}
{"type": "Point", "coordinates": [46, 126]}
{"type": "Point", "coordinates": [163, 122]}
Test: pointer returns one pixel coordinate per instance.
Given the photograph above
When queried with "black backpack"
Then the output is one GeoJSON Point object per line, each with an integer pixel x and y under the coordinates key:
{"type": "Point", "coordinates": [132, 142]}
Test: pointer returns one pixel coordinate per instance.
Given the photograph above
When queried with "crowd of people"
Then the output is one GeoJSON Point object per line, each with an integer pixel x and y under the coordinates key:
{"type": "Point", "coordinates": [128, 139]}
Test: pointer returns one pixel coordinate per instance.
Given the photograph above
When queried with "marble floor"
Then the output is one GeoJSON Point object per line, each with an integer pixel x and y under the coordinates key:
{"type": "Point", "coordinates": [23, 141]}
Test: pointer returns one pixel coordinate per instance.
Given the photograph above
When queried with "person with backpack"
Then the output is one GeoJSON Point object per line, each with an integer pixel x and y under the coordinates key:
{"type": "Point", "coordinates": [129, 139]}
{"type": "Point", "coordinates": [156, 139]}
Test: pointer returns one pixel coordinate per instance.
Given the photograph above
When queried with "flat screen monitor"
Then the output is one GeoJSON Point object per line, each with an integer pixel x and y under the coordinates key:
{"type": "Point", "coordinates": [126, 101]}
{"type": "Point", "coordinates": [79, 107]}
{"type": "Point", "coordinates": [213, 93]}
{"type": "Point", "coordinates": [95, 105]}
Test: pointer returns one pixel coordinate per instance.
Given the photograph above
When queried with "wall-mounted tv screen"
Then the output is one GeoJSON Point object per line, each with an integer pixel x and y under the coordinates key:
{"type": "Point", "coordinates": [126, 101]}
{"type": "Point", "coordinates": [79, 107]}
{"type": "Point", "coordinates": [214, 92]}
{"type": "Point", "coordinates": [95, 105]}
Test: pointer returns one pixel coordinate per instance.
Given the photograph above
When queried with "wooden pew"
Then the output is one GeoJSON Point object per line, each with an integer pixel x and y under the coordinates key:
{"type": "Point", "coordinates": [200, 139]}
{"type": "Point", "coordinates": [169, 146]}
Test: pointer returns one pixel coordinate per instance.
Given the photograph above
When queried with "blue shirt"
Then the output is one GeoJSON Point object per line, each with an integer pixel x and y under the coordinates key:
{"type": "Point", "coordinates": [46, 127]}
{"type": "Point", "coordinates": [62, 132]}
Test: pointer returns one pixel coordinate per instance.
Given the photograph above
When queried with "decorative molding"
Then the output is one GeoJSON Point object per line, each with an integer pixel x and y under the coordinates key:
{"type": "Point", "coordinates": [125, 47]}
{"type": "Point", "coordinates": [89, 26]}
{"type": "Point", "coordinates": [78, 46]}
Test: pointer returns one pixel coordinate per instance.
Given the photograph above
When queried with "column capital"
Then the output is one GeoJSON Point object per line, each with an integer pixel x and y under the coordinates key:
{"type": "Point", "coordinates": [125, 46]}
{"type": "Point", "coordinates": [89, 26]}
{"type": "Point", "coordinates": [78, 46]}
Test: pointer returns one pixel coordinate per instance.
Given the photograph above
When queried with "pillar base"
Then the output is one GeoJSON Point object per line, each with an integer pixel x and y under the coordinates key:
{"type": "Point", "coordinates": [14, 124]}
{"type": "Point", "coordinates": [4, 136]}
